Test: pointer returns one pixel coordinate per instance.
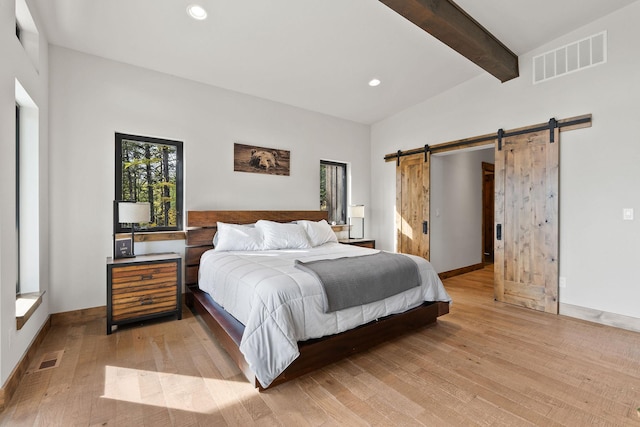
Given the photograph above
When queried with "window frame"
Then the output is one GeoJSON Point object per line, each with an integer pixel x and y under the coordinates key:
{"type": "Point", "coordinates": [119, 137]}
{"type": "Point", "coordinates": [17, 197]}
{"type": "Point", "coordinates": [345, 198]}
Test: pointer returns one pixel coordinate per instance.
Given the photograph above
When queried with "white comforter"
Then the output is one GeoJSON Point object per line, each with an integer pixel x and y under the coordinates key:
{"type": "Point", "coordinates": [280, 305]}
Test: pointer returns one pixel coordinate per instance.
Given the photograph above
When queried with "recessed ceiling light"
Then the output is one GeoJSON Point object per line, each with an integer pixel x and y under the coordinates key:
{"type": "Point", "coordinates": [374, 82]}
{"type": "Point", "coordinates": [197, 12]}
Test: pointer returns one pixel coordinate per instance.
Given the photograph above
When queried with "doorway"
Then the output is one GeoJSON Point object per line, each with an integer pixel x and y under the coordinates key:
{"type": "Point", "coordinates": [457, 209]}
{"type": "Point", "coordinates": [488, 190]}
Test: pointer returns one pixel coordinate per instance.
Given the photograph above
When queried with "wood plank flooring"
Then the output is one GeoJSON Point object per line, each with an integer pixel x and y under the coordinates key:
{"type": "Point", "coordinates": [485, 363]}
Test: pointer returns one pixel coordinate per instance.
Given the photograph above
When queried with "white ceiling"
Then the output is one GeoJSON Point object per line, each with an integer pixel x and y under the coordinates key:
{"type": "Point", "coordinates": [318, 55]}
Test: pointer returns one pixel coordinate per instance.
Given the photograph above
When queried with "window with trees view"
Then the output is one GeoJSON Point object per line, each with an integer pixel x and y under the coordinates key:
{"type": "Point", "coordinates": [150, 170]}
{"type": "Point", "coordinates": [333, 190]}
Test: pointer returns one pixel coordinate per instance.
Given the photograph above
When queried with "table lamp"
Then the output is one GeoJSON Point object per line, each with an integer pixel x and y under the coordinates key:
{"type": "Point", "coordinates": [133, 213]}
{"type": "Point", "coordinates": [357, 211]}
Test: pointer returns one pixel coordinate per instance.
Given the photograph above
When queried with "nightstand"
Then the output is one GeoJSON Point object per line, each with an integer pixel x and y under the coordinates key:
{"type": "Point", "coordinates": [365, 243]}
{"type": "Point", "coordinates": [143, 288]}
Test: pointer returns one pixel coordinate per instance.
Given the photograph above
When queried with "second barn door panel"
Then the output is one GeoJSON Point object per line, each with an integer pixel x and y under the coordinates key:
{"type": "Point", "coordinates": [526, 220]}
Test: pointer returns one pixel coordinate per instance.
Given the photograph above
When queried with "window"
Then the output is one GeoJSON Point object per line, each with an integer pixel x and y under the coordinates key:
{"type": "Point", "coordinates": [333, 190]}
{"type": "Point", "coordinates": [150, 170]}
{"type": "Point", "coordinates": [27, 205]}
{"type": "Point", "coordinates": [18, 199]}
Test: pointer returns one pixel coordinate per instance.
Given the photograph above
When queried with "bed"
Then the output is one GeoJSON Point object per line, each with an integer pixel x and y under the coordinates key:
{"type": "Point", "coordinates": [315, 339]}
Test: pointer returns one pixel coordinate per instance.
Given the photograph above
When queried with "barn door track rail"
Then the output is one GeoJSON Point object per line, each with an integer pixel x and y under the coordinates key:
{"type": "Point", "coordinates": [577, 122]}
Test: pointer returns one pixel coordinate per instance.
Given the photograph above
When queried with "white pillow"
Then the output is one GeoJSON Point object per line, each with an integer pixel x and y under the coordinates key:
{"type": "Point", "coordinates": [319, 232]}
{"type": "Point", "coordinates": [237, 237]}
{"type": "Point", "coordinates": [283, 236]}
{"type": "Point", "coordinates": [215, 236]}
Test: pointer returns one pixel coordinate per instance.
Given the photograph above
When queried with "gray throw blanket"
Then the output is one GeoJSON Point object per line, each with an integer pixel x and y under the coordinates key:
{"type": "Point", "coordinates": [352, 281]}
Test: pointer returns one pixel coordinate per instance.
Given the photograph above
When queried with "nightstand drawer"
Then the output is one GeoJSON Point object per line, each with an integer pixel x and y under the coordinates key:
{"type": "Point", "coordinates": [141, 301]}
{"type": "Point", "coordinates": [370, 244]}
{"type": "Point", "coordinates": [141, 275]}
{"type": "Point", "coordinates": [365, 243]}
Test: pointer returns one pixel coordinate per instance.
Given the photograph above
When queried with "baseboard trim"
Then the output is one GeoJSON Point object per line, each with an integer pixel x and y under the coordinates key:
{"type": "Point", "coordinates": [602, 317]}
{"type": "Point", "coordinates": [10, 386]}
{"type": "Point", "coordinates": [79, 316]}
{"type": "Point", "coordinates": [459, 271]}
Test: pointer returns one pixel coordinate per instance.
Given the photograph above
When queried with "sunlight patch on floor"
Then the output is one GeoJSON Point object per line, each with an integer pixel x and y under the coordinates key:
{"type": "Point", "coordinates": [181, 392]}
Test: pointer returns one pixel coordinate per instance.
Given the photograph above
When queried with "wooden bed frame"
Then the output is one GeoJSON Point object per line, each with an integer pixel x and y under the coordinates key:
{"type": "Point", "coordinates": [313, 353]}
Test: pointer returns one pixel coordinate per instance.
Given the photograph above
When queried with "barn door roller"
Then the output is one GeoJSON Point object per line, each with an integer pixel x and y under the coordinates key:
{"type": "Point", "coordinates": [553, 124]}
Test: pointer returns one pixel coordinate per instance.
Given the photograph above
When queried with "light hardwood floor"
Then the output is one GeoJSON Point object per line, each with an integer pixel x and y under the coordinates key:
{"type": "Point", "coordinates": [485, 363]}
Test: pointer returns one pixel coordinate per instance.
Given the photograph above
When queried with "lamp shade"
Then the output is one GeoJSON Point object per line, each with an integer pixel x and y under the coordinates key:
{"type": "Point", "coordinates": [130, 212]}
{"type": "Point", "coordinates": [357, 211]}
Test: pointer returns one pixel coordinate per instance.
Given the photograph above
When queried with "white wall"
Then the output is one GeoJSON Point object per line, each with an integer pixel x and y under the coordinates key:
{"type": "Point", "coordinates": [456, 208]}
{"type": "Point", "coordinates": [92, 98]}
{"type": "Point", "coordinates": [599, 165]}
{"type": "Point", "coordinates": [17, 64]}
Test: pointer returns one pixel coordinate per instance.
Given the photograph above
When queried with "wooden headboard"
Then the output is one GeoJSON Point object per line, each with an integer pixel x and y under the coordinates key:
{"type": "Point", "coordinates": [202, 225]}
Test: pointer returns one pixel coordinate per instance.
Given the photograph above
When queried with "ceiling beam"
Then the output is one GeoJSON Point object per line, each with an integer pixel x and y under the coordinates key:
{"type": "Point", "coordinates": [447, 22]}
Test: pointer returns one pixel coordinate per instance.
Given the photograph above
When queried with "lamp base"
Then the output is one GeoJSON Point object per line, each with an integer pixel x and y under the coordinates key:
{"type": "Point", "coordinates": [361, 231]}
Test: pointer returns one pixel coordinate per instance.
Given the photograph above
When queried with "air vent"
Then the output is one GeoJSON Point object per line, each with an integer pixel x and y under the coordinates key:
{"type": "Point", "coordinates": [50, 360]}
{"type": "Point", "coordinates": [570, 58]}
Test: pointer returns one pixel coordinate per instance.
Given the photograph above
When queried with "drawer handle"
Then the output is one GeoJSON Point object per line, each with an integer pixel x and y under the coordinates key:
{"type": "Point", "coordinates": [147, 276]}
{"type": "Point", "coordinates": [146, 300]}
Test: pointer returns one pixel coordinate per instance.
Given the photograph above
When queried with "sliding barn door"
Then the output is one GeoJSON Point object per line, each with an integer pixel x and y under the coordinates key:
{"type": "Point", "coordinates": [412, 205]}
{"type": "Point", "coordinates": [526, 216]}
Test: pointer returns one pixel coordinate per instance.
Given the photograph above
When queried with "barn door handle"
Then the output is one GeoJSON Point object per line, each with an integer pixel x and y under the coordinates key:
{"type": "Point", "coordinates": [425, 227]}
{"type": "Point", "coordinates": [499, 232]}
